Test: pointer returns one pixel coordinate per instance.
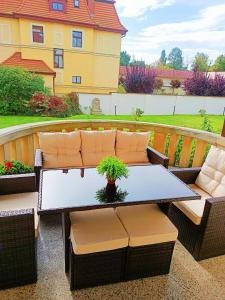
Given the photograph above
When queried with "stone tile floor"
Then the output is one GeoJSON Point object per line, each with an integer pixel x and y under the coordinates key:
{"type": "Point", "coordinates": [188, 279]}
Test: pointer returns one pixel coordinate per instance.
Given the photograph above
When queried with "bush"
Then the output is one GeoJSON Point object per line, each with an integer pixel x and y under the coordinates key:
{"type": "Point", "coordinates": [16, 88]}
{"type": "Point", "coordinates": [54, 106]}
{"type": "Point", "coordinates": [57, 107]}
{"type": "Point", "coordinates": [72, 100]}
{"type": "Point", "coordinates": [198, 85]}
{"type": "Point", "coordinates": [217, 86]}
{"type": "Point", "coordinates": [158, 84]}
{"type": "Point", "coordinates": [175, 84]}
{"type": "Point", "coordinates": [14, 167]}
{"type": "Point", "coordinates": [139, 80]}
{"type": "Point", "coordinates": [202, 85]}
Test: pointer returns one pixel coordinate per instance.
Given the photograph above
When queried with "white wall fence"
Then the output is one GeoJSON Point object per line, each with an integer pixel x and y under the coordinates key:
{"type": "Point", "coordinates": [125, 104]}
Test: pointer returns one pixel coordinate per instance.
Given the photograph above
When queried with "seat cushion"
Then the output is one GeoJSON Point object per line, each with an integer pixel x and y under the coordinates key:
{"type": "Point", "coordinates": [212, 176]}
{"type": "Point", "coordinates": [61, 150]}
{"type": "Point", "coordinates": [146, 225]}
{"type": "Point", "coordinates": [131, 147]}
{"type": "Point", "coordinates": [96, 145]}
{"type": "Point", "coordinates": [194, 209]}
{"type": "Point", "coordinates": [21, 201]}
{"type": "Point", "coordinates": [97, 231]}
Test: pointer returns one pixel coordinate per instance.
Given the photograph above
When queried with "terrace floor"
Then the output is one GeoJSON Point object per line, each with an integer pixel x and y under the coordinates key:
{"type": "Point", "coordinates": [188, 279]}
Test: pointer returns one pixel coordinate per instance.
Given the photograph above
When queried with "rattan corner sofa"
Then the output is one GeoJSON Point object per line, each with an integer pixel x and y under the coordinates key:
{"type": "Point", "coordinates": [18, 232]}
{"type": "Point", "coordinates": [83, 149]}
{"type": "Point", "coordinates": [201, 223]}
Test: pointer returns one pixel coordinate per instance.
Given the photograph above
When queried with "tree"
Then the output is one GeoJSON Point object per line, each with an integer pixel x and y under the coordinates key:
{"type": "Point", "coordinates": [139, 80]}
{"type": "Point", "coordinates": [201, 61]}
{"type": "Point", "coordinates": [17, 86]}
{"type": "Point", "coordinates": [163, 57]}
{"type": "Point", "coordinates": [158, 84]}
{"type": "Point", "coordinates": [219, 65]}
{"type": "Point", "coordinates": [198, 85]}
{"type": "Point", "coordinates": [124, 58]}
{"type": "Point", "coordinates": [138, 63]}
{"type": "Point", "coordinates": [175, 84]}
{"type": "Point", "coordinates": [175, 59]}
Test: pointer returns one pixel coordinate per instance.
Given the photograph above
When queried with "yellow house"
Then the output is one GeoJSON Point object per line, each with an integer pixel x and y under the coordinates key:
{"type": "Point", "coordinates": [74, 44]}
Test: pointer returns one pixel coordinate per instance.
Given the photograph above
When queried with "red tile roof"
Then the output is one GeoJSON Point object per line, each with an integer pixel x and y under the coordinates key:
{"type": "Point", "coordinates": [104, 17]}
{"type": "Point", "coordinates": [172, 74]}
{"type": "Point", "coordinates": [32, 65]}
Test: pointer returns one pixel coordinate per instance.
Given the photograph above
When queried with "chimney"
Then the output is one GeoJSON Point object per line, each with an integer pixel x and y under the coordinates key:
{"type": "Point", "coordinates": [91, 6]}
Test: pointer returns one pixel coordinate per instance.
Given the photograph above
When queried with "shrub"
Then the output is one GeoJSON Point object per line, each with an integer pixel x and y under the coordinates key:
{"type": "Point", "coordinates": [207, 125]}
{"type": "Point", "coordinates": [138, 113]}
{"type": "Point", "coordinates": [158, 84]}
{"type": "Point", "coordinates": [38, 104]}
{"type": "Point", "coordinates": [139, 80]}
{"type": "Point", "coordinates": [175, 83]}
{"type": "Point", "coordinates": [14, 167]}
{"type": "Point", "coordinates": [16, 88]}
{"type": "Point", "coordinates": [57, 107]}
{"type": "Point", "coordinates": [198, 85]}
{"type": "Point", "coordinates": [217, 86]}
{"type": "Point", "coordinates": [202, 112]}
{"type": "Point", "coordinates": [72, 100]}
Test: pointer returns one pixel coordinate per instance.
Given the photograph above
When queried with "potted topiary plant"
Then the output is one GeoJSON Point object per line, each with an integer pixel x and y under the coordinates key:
{"type": "Point", "coordinates": [15, 177]}
{"type": "Point", "coordinates": [113, 168]}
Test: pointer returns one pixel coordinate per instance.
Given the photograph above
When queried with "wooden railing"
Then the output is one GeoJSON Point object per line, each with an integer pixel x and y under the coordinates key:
{"type": "Point", "coordinates": [185, 147]}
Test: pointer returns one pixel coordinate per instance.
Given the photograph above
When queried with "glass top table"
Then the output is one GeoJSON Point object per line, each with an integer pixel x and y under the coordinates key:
{"type": "Point", "coordinates": [83, 189]}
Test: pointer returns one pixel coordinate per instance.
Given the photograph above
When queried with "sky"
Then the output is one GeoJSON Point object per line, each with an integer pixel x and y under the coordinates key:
{"type": "Point", "coordinates": [154, 25]}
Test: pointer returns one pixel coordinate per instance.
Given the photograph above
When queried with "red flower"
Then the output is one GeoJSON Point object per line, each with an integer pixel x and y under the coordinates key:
{"type": "Point", "coordinates": [9, 165]}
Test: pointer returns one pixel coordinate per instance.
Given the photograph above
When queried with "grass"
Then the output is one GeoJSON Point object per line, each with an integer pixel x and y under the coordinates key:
{"type": "Point", "coordinates": [177, 120]}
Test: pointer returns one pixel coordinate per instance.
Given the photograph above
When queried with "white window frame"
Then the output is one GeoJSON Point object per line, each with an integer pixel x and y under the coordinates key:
{"type": "Point", "coordinates": [31, 31]}
{"type": "Point", "coordinates": [79, 30]}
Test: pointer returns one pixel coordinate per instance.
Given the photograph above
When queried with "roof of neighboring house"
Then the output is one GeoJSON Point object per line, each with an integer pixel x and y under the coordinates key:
{"type": "Point", "coordinates": [172, 74]}
{"type": "Point", "coordinates": [32, 65]}
{"type": "Point", "coordinates": [104, 16]}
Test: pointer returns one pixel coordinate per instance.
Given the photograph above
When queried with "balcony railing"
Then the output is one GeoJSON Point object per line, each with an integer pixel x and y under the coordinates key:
{"type": "Point", "coordinates": [185, 147]}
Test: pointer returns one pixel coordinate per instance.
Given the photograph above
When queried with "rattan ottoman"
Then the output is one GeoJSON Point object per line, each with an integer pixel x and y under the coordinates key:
{"type": "Point", "coordinates": [97, 248]}
{"type": "Point", "coordinates": [151, 240]}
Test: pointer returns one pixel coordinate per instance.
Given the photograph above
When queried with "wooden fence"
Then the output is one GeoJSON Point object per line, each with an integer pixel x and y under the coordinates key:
{"type": "Point", "coordinates": [185, 147]}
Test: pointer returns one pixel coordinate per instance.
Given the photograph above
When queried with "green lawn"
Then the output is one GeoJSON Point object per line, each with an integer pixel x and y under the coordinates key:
{"type": "Point", "coordinates": [178, 120]}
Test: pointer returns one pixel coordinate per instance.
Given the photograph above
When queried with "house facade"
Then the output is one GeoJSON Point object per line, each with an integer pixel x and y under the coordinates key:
{"type": "Point", "coordinates": [74, 44]}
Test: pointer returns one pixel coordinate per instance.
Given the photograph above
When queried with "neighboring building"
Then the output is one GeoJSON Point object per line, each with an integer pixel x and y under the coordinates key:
{"type": "Point", "coordinates": [167, 76]}
{"type": "Point", "coordinates": [74, 44]}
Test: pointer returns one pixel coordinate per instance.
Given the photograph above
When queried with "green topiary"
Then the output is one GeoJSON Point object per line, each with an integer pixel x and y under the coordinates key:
{"type": "Point", "coordinates": [113, 168]}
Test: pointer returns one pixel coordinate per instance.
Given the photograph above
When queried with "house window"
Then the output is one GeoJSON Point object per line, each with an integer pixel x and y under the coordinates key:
{"type": "Point", "coordinates": [76, 79]}
{"type": "Point", "coordinates": [57, 6]}
{"type": "Point", "coordinates": [76, 3]}
{"type": "Point", "coordinates": [77, 39]}
{"type": "Point", "coordinates": [38, 34]}
{"type": "Point", "coordinates": [58, 58]}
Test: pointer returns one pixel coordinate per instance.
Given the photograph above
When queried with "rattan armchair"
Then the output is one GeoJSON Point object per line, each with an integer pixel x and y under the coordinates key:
{"type": "Point", "coordinates": [208, 238]}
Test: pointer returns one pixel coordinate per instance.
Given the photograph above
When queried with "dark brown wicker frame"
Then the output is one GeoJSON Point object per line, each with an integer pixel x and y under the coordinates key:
{"type": "Point", "coordinates": [89, 270]}
{"type": "Point", "coordinates": [155, 157]}
{"type": "Point", "coordinates": [18, 263]}
{"type": "Point", "coordinates": [207, 239]}
{"type": "Point", "coordinates": [17, 183]}
{"type": "Point", "coordinates": [147, 261]}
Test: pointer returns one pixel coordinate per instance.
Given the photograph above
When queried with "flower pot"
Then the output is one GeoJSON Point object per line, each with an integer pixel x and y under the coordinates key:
{"type": "Point", "coordinates": [21, 183]}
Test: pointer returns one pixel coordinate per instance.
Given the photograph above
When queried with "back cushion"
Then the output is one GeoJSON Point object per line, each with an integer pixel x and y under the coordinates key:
{"type": "Point", "coordinates": [212, 176]}
{"type": "Point", "coordinates": [96, 145]}
{"type": "Point", "coordinates": [131, 147]}
{"type": "Point", "coordinates": [61, 150]}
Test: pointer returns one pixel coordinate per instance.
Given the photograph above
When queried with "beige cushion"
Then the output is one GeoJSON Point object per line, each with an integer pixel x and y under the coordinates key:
{"type": "Point", "coordinates": [131, 147]}
{"type": "Point", "coordinates": [194, 209]}
{"type": "Point", "coordinates": [21, 201]}
{"type": "Point", "coordinates": [212, 176]}
{"type": "Point", "coordinates": [96, 231]}
{"type": "Point", "coordinates": [61, 150]}
{"type": "Point", "coordinates": [146, 225]}
{"type": "Point", "coordinates": [96, 145]}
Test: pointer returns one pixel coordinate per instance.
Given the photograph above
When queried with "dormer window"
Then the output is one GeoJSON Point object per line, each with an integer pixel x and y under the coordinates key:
{"type": "Point", "coordinates": [77, 3]}
{"type": "Point", "coordinates": [57, 6]}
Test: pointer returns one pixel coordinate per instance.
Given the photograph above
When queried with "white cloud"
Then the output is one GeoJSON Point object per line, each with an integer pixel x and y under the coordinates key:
{"type": "Point", "coordinates": [133, 8]}
{"type": "Point", "coordinates": [204, 33]}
